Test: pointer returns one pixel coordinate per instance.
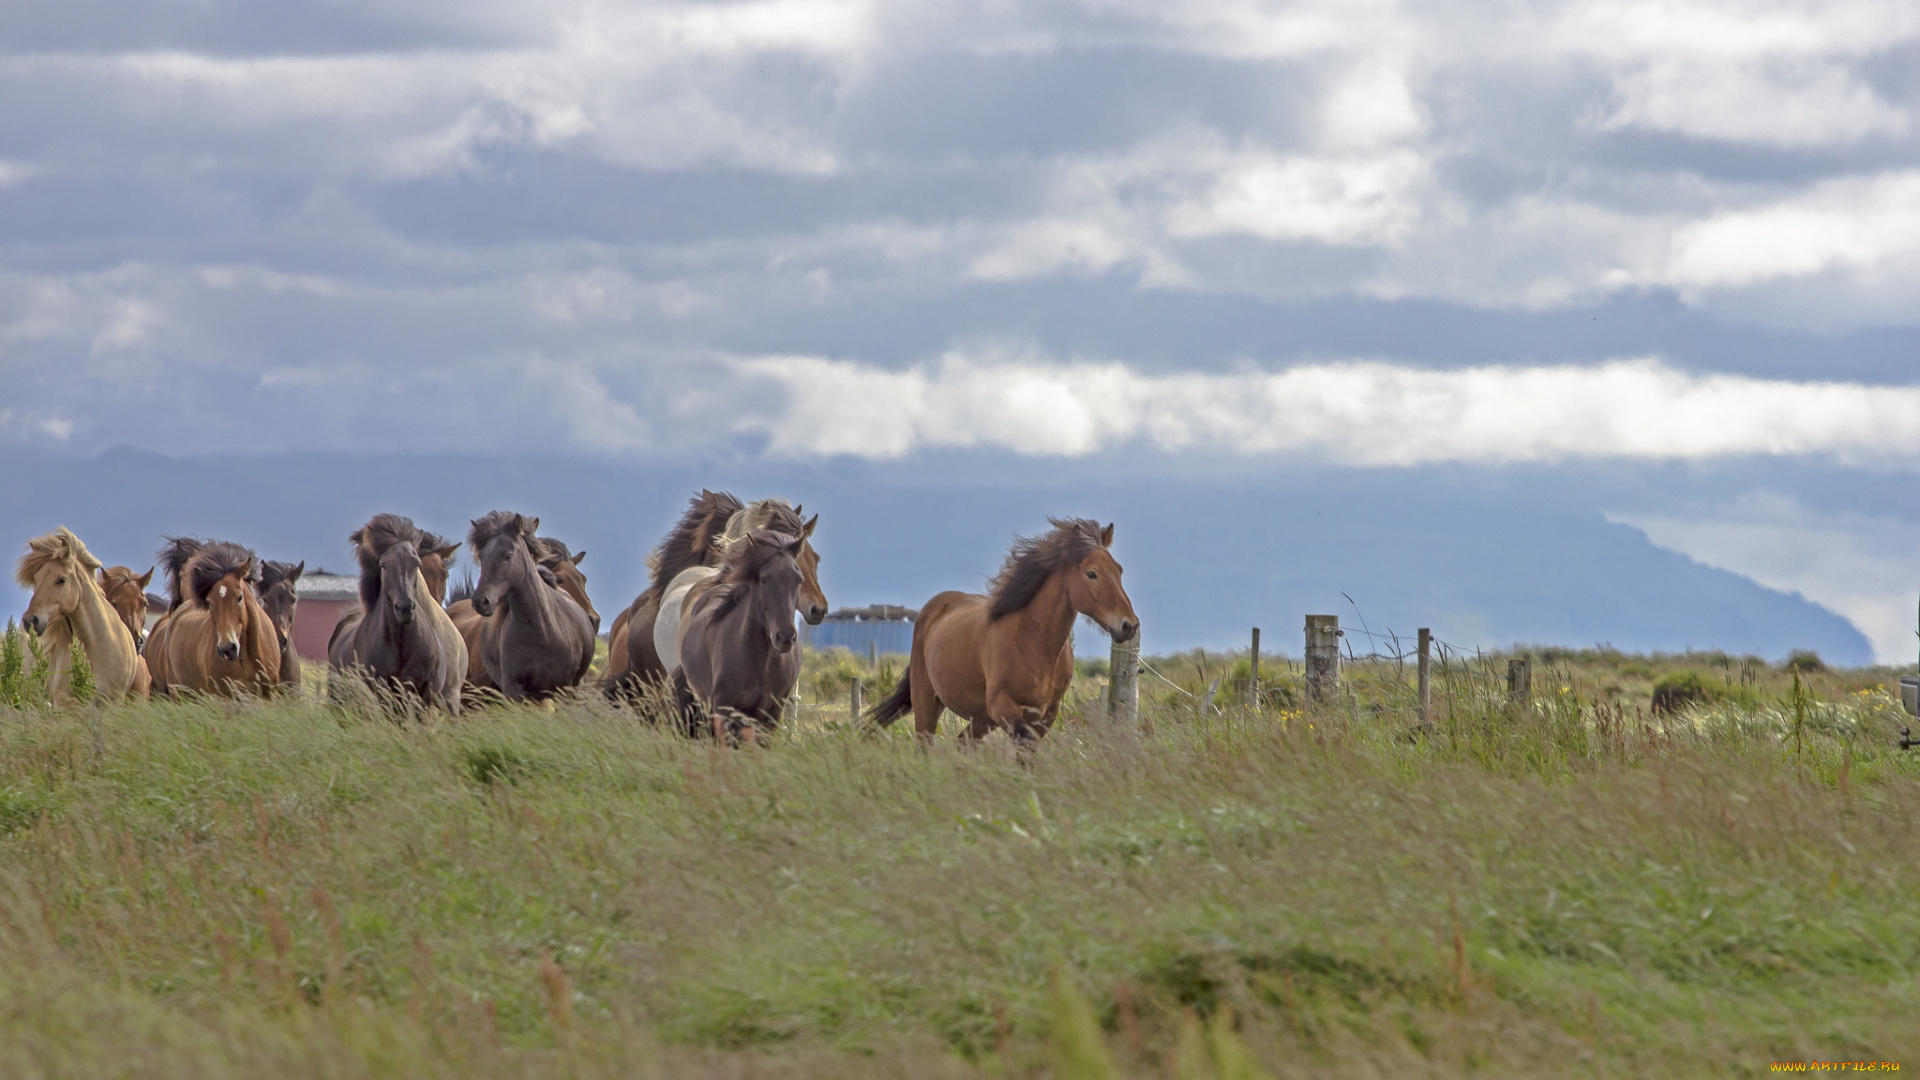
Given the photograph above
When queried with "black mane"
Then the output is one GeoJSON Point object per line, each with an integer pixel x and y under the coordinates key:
{"type": "Point", "coordinates": [273, 572]}
{"type": "Point", "coordinates": [485, 529]}
{"type": "Point", "coordinates": [1035, 559]}
{"type": "Point", "coordinates": [174, 554]}
{"type": "Point", "coordinates": [691, 540]}
{"type": "Point", "coordinates": [215, 560]}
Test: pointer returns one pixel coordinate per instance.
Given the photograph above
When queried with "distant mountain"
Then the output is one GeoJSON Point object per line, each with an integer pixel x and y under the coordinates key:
{"type": "Point", "coordinates": [1204, 562]}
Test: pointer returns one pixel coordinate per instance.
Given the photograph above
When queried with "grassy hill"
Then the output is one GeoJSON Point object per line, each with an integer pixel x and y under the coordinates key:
{"type": "Point", "coordinates": [1570, 886]}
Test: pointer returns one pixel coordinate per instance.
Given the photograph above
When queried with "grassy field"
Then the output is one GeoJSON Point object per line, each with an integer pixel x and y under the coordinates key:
{"type": "Point", "coordinates": [1571, 887]}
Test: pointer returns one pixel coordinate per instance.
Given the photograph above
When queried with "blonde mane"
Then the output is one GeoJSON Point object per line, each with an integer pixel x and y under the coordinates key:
{"type": "Point", "coordinates": [773, 515]}
{"type": "Point", "coordinates": [60, 545]}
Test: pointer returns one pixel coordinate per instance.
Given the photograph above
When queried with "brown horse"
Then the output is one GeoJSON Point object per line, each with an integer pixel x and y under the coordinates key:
{"type": "Point", "coordinates": [399, 639]}
{"type": "Point", "coordinates": [127, 593]}
{"type": "Point", "coordinates": [279, 597]}
{"type": "Point", "coordinates": [436, 564]}
{"type": "Point", "coordinates": [557, 563]}
{"type": "Point", "coordinates": [215, 638]}
{"type": "Point", "coordinates": [739, 654]}
{"type": "Point", "coordinates": [1004, 660]}
{"type": "Point", "coordinates": [633, 659]}
{"type": "Point", "coordinates": [68, 606]}
{"type": "Point", "coordinates": [534, 639]}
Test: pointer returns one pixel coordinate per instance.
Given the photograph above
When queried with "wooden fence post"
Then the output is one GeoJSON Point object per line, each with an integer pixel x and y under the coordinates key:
{"type": "Point", "coordinates": [1123, 681]}
{"type": "Point", "coordinates": [873, 655]}
{"type": "Point", "coordinates": [1426, 675]}
{"type": "Point", "coordinates": [856, 706]}
{"type": "Point", "coordinates": [1253, 685]}
{"type": "Point", "coordinates": [1520, 680]}
{"type": "Point", "coordinates": [1323, 657]}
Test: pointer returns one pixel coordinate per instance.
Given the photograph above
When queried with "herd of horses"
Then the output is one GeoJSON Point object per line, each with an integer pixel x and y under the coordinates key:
{"type": "Point", "coordinates": [712, 634]}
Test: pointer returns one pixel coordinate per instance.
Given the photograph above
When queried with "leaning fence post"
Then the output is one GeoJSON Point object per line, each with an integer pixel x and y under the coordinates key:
{"type": "Point", "coordinates": [1520, 680]}
{"type": "Point", "coordinates": [1426, 681]}
{"type": "Point", "coordinates": [1253, 686]}
{"type": "Point", "coordinates": [1323, 657]}
{"type": "Point", "coordinates": [1123, 681]}
{"type": "Point", "coordinates": [854, 705]}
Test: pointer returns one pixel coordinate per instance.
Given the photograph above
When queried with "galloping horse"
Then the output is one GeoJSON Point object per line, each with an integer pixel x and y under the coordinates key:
{"type": "Point", "coordinates": [68, 605]}
{"type": "Point", "coordinates": [534, 639]}
{"type": "Point", "coordinates": [559, 567]}
{"type": "Point", "coordinates": [436, 562]}
{"type": "Point", "coordinates": [279, 598]}
{"type": "Point", "coordinates": [215, 637]}
{"type": "Point", "coordinates": [127, 592]}
{"type": "Point", "coordinates": [399, 639]}
{"type": "Point", "coordinates": [737, 644]}
{"type": "Point", "coordinates": [1004, 660]}
{"type": "Point", "coordinates": [697, 541]}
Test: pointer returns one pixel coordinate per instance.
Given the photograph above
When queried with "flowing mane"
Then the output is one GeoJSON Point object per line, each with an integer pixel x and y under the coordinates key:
{"type": "Point", "coordinates": [118, 577]}
{"type": "Point", "coordinates": [741, 565]}
{"type": "Point", "coordinates": [215, 560]}
{"type": "Point", "coordinates": [173, 556]}
{"type": "Point", "coordinates": [430, 541]}
{"type": "Point", "coordinates": [273, 572]}
{"type": "Point", "coordinates": [1034, 559]}
{"type": "Point", "coordinates": [60, 545]}
{"type": "Point", "coordinates": [774, 515]}
{"type": "Point", "coordinates": [547, 551]}
{"type": "Point", "coordinates": [708, 514]}
{"type": "Point", "coordinates": [371, 542]}
{"type": "Point", "coordinates": [499, 522]}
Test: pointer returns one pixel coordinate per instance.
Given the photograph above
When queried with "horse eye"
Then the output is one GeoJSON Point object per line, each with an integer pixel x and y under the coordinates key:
{"type": "Point", "coordinates": [60, 581]}
{"type": "Point", "coordinates": [1092, 575]}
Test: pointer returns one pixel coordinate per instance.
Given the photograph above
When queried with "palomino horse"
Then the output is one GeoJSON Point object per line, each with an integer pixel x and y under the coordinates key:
{"type": "Point", "coordinates": [215, 638]}
{"type": "Point", "coordinates": [739, 656]}
{"type": "Point", "coordinates": [127, 592]}
{"type": "Point", "coordinates": [399, 640]}
{"type": "Point", "coordinates": [1004, 660]}
{"type": "Point", "coordinates": [711, 520]}
{"type": "Point", "coordinates": [534, 639]}
{"type": "Point", "coordinates": [68, 606]}
{"type": "Point", "coordinates": [279, 598]}
{"type": "Point", "coordinates": [559, 567]}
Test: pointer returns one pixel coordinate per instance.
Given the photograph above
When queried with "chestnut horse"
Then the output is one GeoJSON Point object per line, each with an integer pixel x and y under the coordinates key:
{"type": "Point", "coordinates": [436, 562]}
{"type": "Point", "coordinates": [739, 652]}
{"type": "Point", "coordinates": [279, 598]}
{"type": "Point", "coordinates": [68, 606]}
{"type": "Point", "coordinates": [557, 563]}
{"type": "Point", "coordinates": [534, 639]}
{"type": "Point", "coordinates": [399, 640]}
{"type": "Point", "coordinates": [127, 592]}
{"type": "Point", "coordinates": [1004, 660]}
{"type": "Point", "coordinates": [215, 637]}
{"type": "Point", "coordinates": [633, 658]}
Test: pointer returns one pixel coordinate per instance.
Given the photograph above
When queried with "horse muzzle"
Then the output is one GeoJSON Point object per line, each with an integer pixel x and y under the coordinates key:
{"type": "Point", "coordinates": [34, 624]}
{"type": "Point", "coordinates": [814, 613]}
{"type": "Point", "coordinates": [404, 615]}
{"type": "Point", "coordinates": [1125, 631]}
{"type": "Point", "coordinates": [228, 650]}
{"type": "Point", "coordinates": [784, 642]}
{"type": "Point", "coordinates": [482, 606]}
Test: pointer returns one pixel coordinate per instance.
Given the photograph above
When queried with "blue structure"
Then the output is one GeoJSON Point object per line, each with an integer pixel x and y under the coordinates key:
{"type": "Point", "coordinates": [886, 628]}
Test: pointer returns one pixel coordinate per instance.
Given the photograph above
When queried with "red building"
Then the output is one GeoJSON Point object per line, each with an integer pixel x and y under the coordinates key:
{"type": "Point", "coordinates": [324, 598]}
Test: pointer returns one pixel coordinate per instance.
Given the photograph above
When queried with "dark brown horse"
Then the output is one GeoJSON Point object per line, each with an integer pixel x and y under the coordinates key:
{"type": "Point", "coordinates": [126, 591]}
{"type": "Point", "coordinates": [535, 640]}
{"type": "Point", "coordinates": [739, 652]}
{"type": "Point", "coordinates": [215, 637]}
{"type": "Point", "coordinates": [400, 639]}
{"type": "Point", "coordinates": [1004, 660]}
{"type": "Point", "coordinates": [560, 567]}
{"type": "Point", "coordinates": [279, 582]}
{"type": "Point", "coordinates": [633, 659]}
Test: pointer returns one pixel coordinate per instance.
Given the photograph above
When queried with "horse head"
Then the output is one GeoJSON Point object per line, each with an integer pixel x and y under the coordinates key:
{"type": "Point", "coordinates": [279, 595]}
{"type": "Point", "coordinates": [1094, 589]}
{"type": "Point", "coordinates": [813, 599]}
{"type": "Point", "coordinates": [59, 570]}
{"type": "Point", "coordinates": [227, 601]}
{"type": "Point", "coordinates": [436, 560]}
{"type": "Point", "coordinates": [499, 542]}
{"type": "Point", "coordinates": [769, 571]}
{"type": "Point", "coordinates": [126, 593]}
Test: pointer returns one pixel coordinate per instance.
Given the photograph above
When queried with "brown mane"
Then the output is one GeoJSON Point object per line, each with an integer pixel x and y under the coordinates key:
{"type": "Point", "coordinates": [174, 554]}
{"type": "Point", "coordinates": [692, 537]}
{"type": "Point", "coordinates": [371, 542]}
{"type": "Point", "coordinates": [60, 545]}
{"type": "Point", "coordinates": [114, 577]}
{"type": "Point", "coordinates": [1035, 559]}
{"type": "Point", "coordinates": [431, 541]}
{"type": "Point", "coordinates": [216, 560]}
{"type": "Point", "coordinates": [273, 572]}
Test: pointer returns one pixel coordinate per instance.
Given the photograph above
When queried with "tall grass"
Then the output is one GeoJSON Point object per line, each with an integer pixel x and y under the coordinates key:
{"type": "Point", "coordinates": [1567, 886]}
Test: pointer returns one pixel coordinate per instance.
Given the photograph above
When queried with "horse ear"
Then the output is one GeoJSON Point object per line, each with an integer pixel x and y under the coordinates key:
{"type": "Point", "coordinates": [297, 571]}
{"type": "Point", "coordinates": [245, 571]}
{"type": "Point", "coordinates": [793, 546]}
{"type": "Point", "coordinates": [808, 530]}
{"type": "Point", "coordinates": [529, 526]}
{"type": "Point", "coordinates": [580, 558]}
{"type": "Point", "coordinates": [447, 552]}
{"type": "Point", "coordinates": [146, 577]}
{"type": "Point", "coordinates": [1106, 535]}
{"type": "Point", "coordinates": [100, 576]}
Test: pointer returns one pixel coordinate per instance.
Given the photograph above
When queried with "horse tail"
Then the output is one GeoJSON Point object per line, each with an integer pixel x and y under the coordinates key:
{"type": "Point", "coordinates": [896, 704]}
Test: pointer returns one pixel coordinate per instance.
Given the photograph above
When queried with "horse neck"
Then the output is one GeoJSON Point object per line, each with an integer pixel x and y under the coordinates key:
{"type": "Point", "coordinates": [95, 622]}
{"type": "Point", "coordinates": [527, 595]}
{"type": "Point", "coordinates": [1050, 614]}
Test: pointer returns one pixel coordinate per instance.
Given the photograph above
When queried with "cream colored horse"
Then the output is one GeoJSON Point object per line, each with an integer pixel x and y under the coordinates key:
{"type": "Point", "coordinates": [68, 605]}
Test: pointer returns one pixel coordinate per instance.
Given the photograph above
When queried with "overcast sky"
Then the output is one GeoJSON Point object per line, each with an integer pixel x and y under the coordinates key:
{"type": "Point", "coordinates": [1374, 235]}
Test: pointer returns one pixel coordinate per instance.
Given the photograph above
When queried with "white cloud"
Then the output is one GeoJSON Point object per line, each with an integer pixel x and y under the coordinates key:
{"type": "Point", "coordinates": [1855, 224]}
{"type": "Point", "coordinates": [1358, 413]}
{"type": "Point", "coordinates": [1866, 568]}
